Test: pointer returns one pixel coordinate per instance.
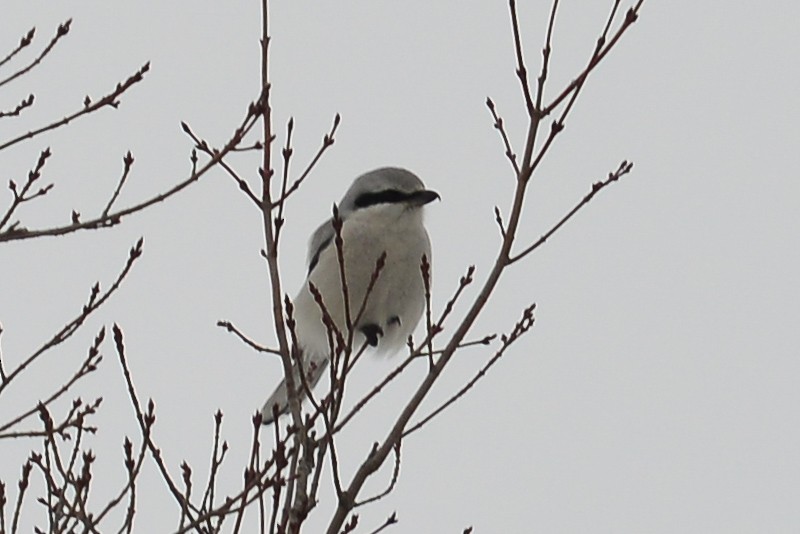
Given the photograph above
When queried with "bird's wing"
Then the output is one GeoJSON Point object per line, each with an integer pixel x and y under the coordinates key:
{"type": "Point", "coordinates": [320, 240]}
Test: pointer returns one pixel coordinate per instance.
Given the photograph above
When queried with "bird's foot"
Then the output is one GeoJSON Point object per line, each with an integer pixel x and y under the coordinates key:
{"type": "Point", "coordinates": [372, 331]}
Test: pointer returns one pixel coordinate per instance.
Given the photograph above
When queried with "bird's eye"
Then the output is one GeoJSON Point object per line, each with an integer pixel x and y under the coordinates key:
{"type": "Point", "coordinates": [387, 196]}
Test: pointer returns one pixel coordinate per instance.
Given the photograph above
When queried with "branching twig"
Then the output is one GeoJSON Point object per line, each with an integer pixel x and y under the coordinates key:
{"type": "Point", "coordinates": [96, 299]}
{"type": "Point", "coordinates": [24, 103]}
{"type": "Point", "coordinates": [145, 419]}
{"type": "Point", "coordinates": [246, 340]}
{"type": "Point", "coordinates": [61, 31]}
{"type": "Point", "coordinates": [527, 165]}
{"type": "Point", "coordinates": [127, 163]}
{"type": "Point", "coordinates": [623, 169]}
{"type": "Point", "coordinates": [465, 280]}
{"type": "Point", "coordinates": [485, 340]}
{"type": "Point", "coordinates": [114, 218]}
{"type": "Point", "coordinates": [25, 194]}
{"type": "Point", "coordinates": [89, 365]}
{"type": "Point", "coordinates": [391, 520]}
{"type": "Point", "coordinates": [287, 157]}
{"type": "Point", "coordinates": [327, 142]}
{"type": "Point", "coordinates": [217, 457]}
{"type": "Point", "coordinates": [392, 482]}
{"type": "Point", "coordinates": [203, 146]}
{"type": "Point", "coordinates": [630, 17]}
{"type": "Point", "coordinates": [522, 327]}
{"type": "Point", "coordinates": [500, 127]}
{"type": "Point", "coordinates": [522, 71]}
{"type": "Point", "coordinates": [110, 99]}
{"type": "Point", "coordinates": [22, 487]}
{"type": "Point", "coordinates": [24, 41]}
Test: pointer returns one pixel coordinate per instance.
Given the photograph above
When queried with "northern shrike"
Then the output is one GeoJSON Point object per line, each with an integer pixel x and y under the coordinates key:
{"type": "Point", "coordinates": [381, 212]}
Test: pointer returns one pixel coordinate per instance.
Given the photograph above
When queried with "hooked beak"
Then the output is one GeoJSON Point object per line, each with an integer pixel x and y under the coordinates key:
{"type": "Point", "coordinates": [420, 198]}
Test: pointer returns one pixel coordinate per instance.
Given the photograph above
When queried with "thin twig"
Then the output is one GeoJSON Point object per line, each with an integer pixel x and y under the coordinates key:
{"type": "Point", "coordinates": [95, 301]}
{"type": "Point", "coordinates": [523, 326]}
{"type": "Point", "coordinates": [392, 482]}
{"type": "Point", "coordinates": [287, 157]}
{"type": "Point", "coordinates": [217, 457]}
{"type": "Point", "coordinates": [230, 327]}
{"type": "Point", "coordinates": [110, 99]}
{"type": "Point", "coordinates": [486, 340]}
{"type": "Point", "coordinates": [498, 218]}
{"type": "Point", "coordinates": [391, 520]}
{"type": "Point", "coordinates": [115, 218]}
{"type": "Point", "coordinates": [88, 365]}
{"type": "Point", "coordinates": [327, 142]}
{"type": "Point", "coordinates": [526, 170]}
{"type": "Point", "coordinates": [630, 17]}
{"type": "Point", "coordinates": [61, 31]}
{"type": "Point", "coordinates": [203, 146]}
{"type": "Point", "coordinates": [146, 420]}
{"type": "Point", "coordinates": [127, 163]}
{"type": "Point", "coordinates": [3, 376]}
{"type": "Point", "coordinates": [377, 456]}
{"type": "Point", "coordinates": [24, 41]}
{"type": "Point", "coordinates": [425, 270]}
{"type": "Point", "coordinates": [25, 194]}
{"type": "Point", "coordinates": [500, 127]}
{"type": "Point", "coordinates": [465, 281]}
{"type": "Point", "coordinates": [624, 168]}
{"type": "Point", "coordinates": [24, 103]}
{"type": "Point", "coordinates": [522, 71]}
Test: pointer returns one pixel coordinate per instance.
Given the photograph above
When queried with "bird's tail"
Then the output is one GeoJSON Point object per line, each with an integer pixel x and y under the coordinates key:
{"type": "Point", "coordinates": [314, 369]}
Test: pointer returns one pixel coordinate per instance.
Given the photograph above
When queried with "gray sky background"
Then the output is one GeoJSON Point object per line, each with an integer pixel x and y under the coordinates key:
{"type": "Point", "coordinates": [658, 391]}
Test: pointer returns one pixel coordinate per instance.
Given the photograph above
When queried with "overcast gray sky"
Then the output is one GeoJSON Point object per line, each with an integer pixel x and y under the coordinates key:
{"type": "Point", "coordinates": [658, 391]}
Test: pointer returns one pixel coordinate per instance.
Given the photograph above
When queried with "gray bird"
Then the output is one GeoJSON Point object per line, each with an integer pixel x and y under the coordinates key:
{"type": "Point", "coordinates": [381, 212]}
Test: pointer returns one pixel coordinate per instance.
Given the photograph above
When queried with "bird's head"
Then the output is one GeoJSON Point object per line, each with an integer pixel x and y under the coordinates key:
{"type": "Point", "coordinates": [387, 185]}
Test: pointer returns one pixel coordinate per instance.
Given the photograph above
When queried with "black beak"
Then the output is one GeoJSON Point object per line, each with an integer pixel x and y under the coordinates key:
{"type": "Point", "coordinates": [420, 198]}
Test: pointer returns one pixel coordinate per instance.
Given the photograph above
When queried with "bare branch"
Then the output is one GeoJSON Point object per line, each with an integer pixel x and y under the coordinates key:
{"type": "Point", "coordinates": [465, 280]}
{"type": "Point", "coordinates": [522, 326]}
{"type": "Point", "coordinates": [25, 103]}
{"type": "Point", "coordinates": [498, 218]}
{"type": "Point", "coordinates": [546, 51]}
{"type": "Point", "coordinates": [203, 146]}
{"type": "Point", "coordinates": [95, 301]}
{"type": "Point", "coordinates": [22, 486]}
{"type": "Point", "coordinates": [327, 142]}
{"type": "Point", "coordinates": [146, 420]}
{"type": "Point", "coordinates": [24, 41]}
{"type": "Point", "coordinates": [112, 219]}
{"type": "Point", "coordinates": [3, 376]}
{"type": "Point", "coordinates": [630, 17]}
{"type": "Point", "coordinates": [249, 342]}
{"type": "Point", "coordinates": [485, 340]}
{"type": "Point", "coordinates": [624, 168]}
{"type": "Point", "coordinates": [287, 157]}
{"type": "Point", "coordinates": [522, 71]}
{"type": "Point", "coordinates": [25, 194]}
{"type": "Point", "coordinates": [392, 482]}
{"type": "Point", "coordinates": [127, 163]}
{"type": "Point", "coordinates": [498, 124]}
{"type": "Point", "coordinates": [61, 31]}
{"type": "Point", "coordinates": [111, 99]}
{"type": "Point", "coordinates": [391, 520]}
{"type": "Point", "coordinates": [217, 457]}
{"type": "Point", "coordinates": [377, 457]}
{"type": "Point", "coordinates": [88, 365]}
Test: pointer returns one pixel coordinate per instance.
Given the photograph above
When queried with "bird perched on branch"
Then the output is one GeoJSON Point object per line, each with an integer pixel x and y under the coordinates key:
{"type": "Point", "coordinates": [381, 213]}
